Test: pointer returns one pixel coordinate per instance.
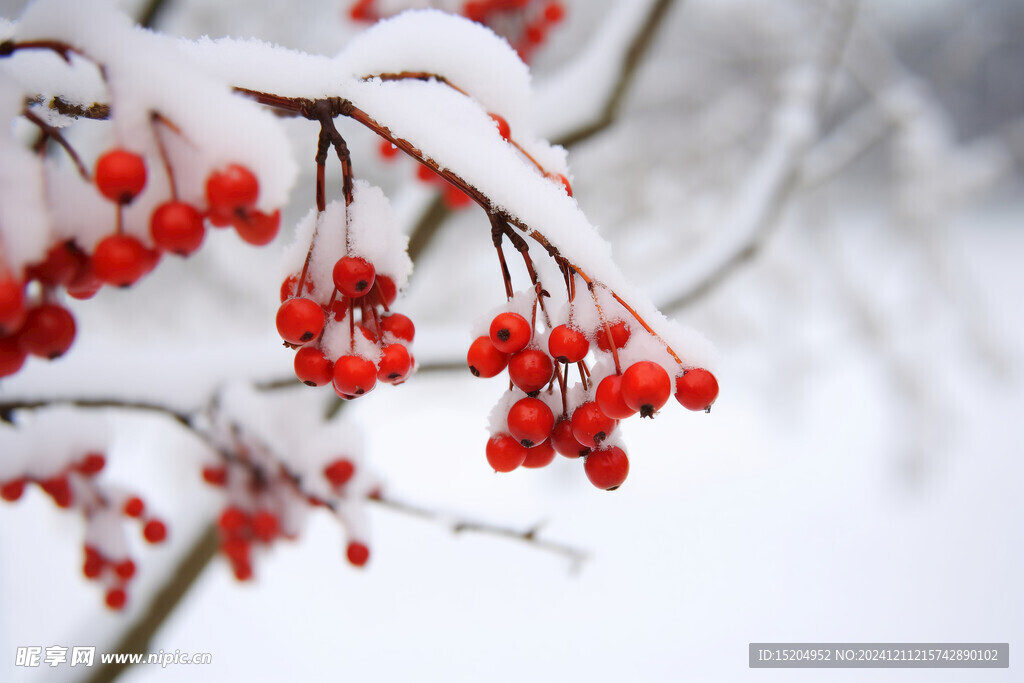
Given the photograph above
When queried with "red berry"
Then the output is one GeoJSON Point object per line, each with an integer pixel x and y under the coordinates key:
{"type": "Point", "coordinates": [454, 198]}
{"type": "Point", "coordinates": [12, 357]}
{"type": "Point", "coordinates": [215, 476]}
{"type": "Point", "coordinates": [120, 175]}
{"type": "Point", "coordinates": [554, 12]}
{"type": "Point", "coordinates": [155, 531]}
{"type": "Point", "coordinates": [386, 289]}
{"type": "Point", "coordinates": [236, 549]}
{"type": "Point", "coordinates": [232, 191]}
{"type": "Point", "coordinates": [567, 345]}
{"type": "Point", "coordinates": [12, 490]}
{"type": "Point", "coordinates": [177, 227]}
{"type": "Point", "coordinates": [125, 568]}
{"type": "Point", "coordinates": [426, 174]}
{"type": "Point", "coordinates": [620, 335]}
{"type": "Point", "coordinates": [300, 320]}
{"type": "Point", "coordinates": [312, 367]}
{"type": "Point", "coordinates": [539, 456]}
{"type": "Point", "coordinates": [289, 287]}
{"type": "Point", "coordinates": [120, 260]}
{"type": "Point", "coordinates": [61, 265]}
{"type": "Point", "coordinates": [503, 129]}
{"type": "Point", "coordinates": [394, 365]}
{"type": "Point", "coordinates": [258, 228]}
{"type": "Point", "coordinates": [48, 331]}
{"type": "Point", "coordinates": [116, 598]}
{"type": "Point", "coordinates": [534, 33]}
{"type": "Point", "coordinates": [59, 489]}
{"type": "Point", "coordinates": [134, 507]}
{"type": "Point", "coordinates": [607, 468]}
{"type": "Point", "coordinates": [609, 398]}
{"type": "Point", "coordinates": [563, 440]}
{"type": "Point", "coordinates": [92, 567]}
{"type": "Point", "coordinates": [91, 464]}
{"type": "Point", "coordinates": [12, 305]}
{"type": "Point", "coordinates": [339, 472]}
{"type": "Point", "coordinates": [388, 150]}
{"type": "Point", "coordinates": [590, 425]}
{"type": "Point", "coordinates": [646, 387]}
{"type": "Point", "coordinates": [475, 11]}
{"type": "Point", "coordinates": [233, 521]}
{"type": "Point", "coordinates": [504, 453]}
{"type": "Point", "coordinates": [530, 420]}
{"type": "Point", "coordinates": [484, 360]}
{"type": "Point", "coordinates": [265, 526]}
{"type": "Point", "coordinates": [696, 389]}
{"type": "Point", "coordinates": [530, 370]}
{"type": "Point", "coordinates": [398, 325]}
{"type": "Point", "coordinates": [510, 332]}
{"type": "Point", "coordinates": [357, 554]}
{"type": "Point", "coordinates": [353, 276]}
{"type": "Point", "coordinates": [242, 570]}
{"type": "Point", "coordinates": [85, 284]}
{"type": "Point", "coordinates": [354, 376]}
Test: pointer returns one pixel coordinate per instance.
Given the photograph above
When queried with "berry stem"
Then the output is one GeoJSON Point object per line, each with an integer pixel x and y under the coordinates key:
{"type": "Point", "coordinates": [157, 117]}
{"type": "Point", "coordinates": [607, 328]}
{"type": "Point", "coordinates": [51, 133]}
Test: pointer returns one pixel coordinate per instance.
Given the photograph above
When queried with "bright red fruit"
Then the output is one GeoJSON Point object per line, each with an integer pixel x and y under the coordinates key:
{"type": "Point", "coordinates": [312, 367]}
{"type": "Point", "coordinates": [233, 521]}
{"type": "Point", "coordinates": [394, 365]}
{"type": "Point", "coordinates": [484, 360]}
{"type": "Point", "coordinates": [62, 263]}
{"type": "Point", "coordinates": [353, 276]}
{"type": "Point", "coordinates": [530, 370]}
{"type": "Point", "coordinates": [504, 453]}
{"type": "Point", "coordinates": [48, 331]}
{"type": "Point", "coordinates": [530, 420]}
{"type": "Point", "coordinates": [620, 335]}
{"type": "Point", "coordinates": [646, 387]}
{"type": "Point", "coordinates": [120, 175]}
{"type": "Point", "coordinates": [401, 326]}
{"type": "Point", "coordinates": [265, 526]}
{"type": "Point", "coordinates": [232, 192]}
{"type": "Point", "coordinates": [258, 228]}
{"type": "Point", "coordinates": [554, 12]}
{"type": "Point", "coordinates": [590, 425]}
{"type": "Point", "coordinates": [539, 456]}
{"type": "Point", "coordinates": [215, 476]}
{"type": "Point", "coordinates": [339, 472]}
{"type": "Point", "coordinates": [134, 507]}
{"type": "Point", "coordinates": [567, 345]}
{"type": "Point", "coordinates": [354, 376]}
{"type": "Point", "coordinates": [116, 598]}
{"type": "Point", "coordinates": [609, 398]}
{"type": "Point", "coordinates": [503, 128]}
{"type": "Point", "coordinates": [607, 468]}
{"type": "Point", "coordinates": [120, 260]}
{"type": "Point", "coordinates": [386, 289]}
{"type": "Point", "coordinates": [564, 442]}
{"type": "Point", "coordinates": [510, 332]}
{"type": "Point", "coordinates": [93, 564]}
{"type": "Point", "coordinates": [125, 569]}
{"type": "Point", "coordinates": [177, 227]}
{"type": "Point", "coordinates": [12, 490]}
{"type": "Point", "coordinates": [12, 357]}
{"type": "Point", "coordinates": [91, 464]}
{"type": "Point", "coordinates": [696, 389]}
{"type": "Point", "coordinates": [300, 320]}
{"type": "Point", "coordinates": [12, 304]}
{"type": "Point", "coordinates": [357, 554]}
{"type": "Point", "coordinates": [155, 531]}
{"type": "Point", "coordinates": [59, 489]}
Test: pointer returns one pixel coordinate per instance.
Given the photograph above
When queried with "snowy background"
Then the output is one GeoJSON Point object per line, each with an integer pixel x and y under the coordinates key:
{"type": "Point", "coordinates": [858, 479]}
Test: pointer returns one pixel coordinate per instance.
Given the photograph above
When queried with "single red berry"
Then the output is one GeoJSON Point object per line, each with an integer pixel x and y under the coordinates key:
{"type": "Point", "coordinates": [312, 367]}
{"type": "Point", "coordinates": [236, 549]}
{"type": "Point", "coordinates": [530, 420]}
{"type": "Point", "coordinates": [475, 11]}
{"type": "Point", "coordinates": [215, 476]}
{"type": "Point", "coordinates": [563, 440]}
{"type": "Point", "coordinates": [388, 150]}
{"type": "Point", "coordinates": [357, 554]}
{"type": "Point", "coordinates": [362, 10]}
{"type": "Point", "coordinates": [12, 305]}
{"type": "Point", "coordinates": [91, 464]}
{"type": "Point", "coordinates": [530, 370]}
{"type": "Point", "coordinates": [60, 266]}
{"type": "Point", "coordinates": [59, 489]}
{"type": "Point", "coordinates": [620, 335]}
{"type": "Point", "coordinates": [339, 472]}
{"type": "Point", "coordinates": [696, 389]}
{"type": "Point", "coordinates": [48, 331]}
{"type": "Point", "coordinates": [503, 129]}
{"type": "Point", "coordinates": [12, 356]}
{"type": "Point", "coordinates": [401, 326]}
{"type": "Point", "coordinates": [125, 568]}
{"type": "Point", "coordinates": [242, 570]}
{"type": "Point", "coordinates": [646, 387]}
{"type": "Point", "coordinates": [92, 567]}
{"type": "Point", "coordinates": [387, 291]}
{"type": "Point", "coordinates": [567, 345]}
{"type": "Point", "coordinates": [300, 320]}
{"type": "Point", "coordinates": [539, 456]}
{"type": "Point", "coordinates": [265, 526]}
{"type": "Point", "coordinates": [394, 365]}
{"type": "Point", "coordinates": [177, 227]}
{"type": "Point", "coordinates": [85, 284]}
{"type": "Point", "coordinates": [258, 228]}
{"type": "Point", "coordinates": [354, 376]}
{"type": "Point", "coordinates": [289, 287]}
{"type": "Point", "coordinates": [116, 598]}
{"type": "Point", "coordinates": [590, 425]}
{"type": "Point", "coordinates": [232, 191]}
{"type": "Point", "coordinates": [120, 260]}
{"type": "Point", "coordinates": [505, 453]}
{"type": "Point", "coordinates": [134, 507]}
{"type": "Point", "coordinates": [454, 198]}
{"type": "Point", "coordinates": [554, 12]}
{"type": "Point", "coordinates": [609, 398]}
{"type": "Point", "coordinates": [426, 174]}
{"type": "Point", "coordinates": [534, 33]}
{"type": "Point", "coordinates": [484, 360]}
{"type": "Point", "coordinates": [353, 276]}
{"type": "Point", "coordinates": [155, 531]}
{"type": "Point", "coordinates": [12, 490]}
{"type": "Point", "coordinates": [120, 175]}
{"type": "Point", "coordinates": [233, 521]}
{"type": "Point", "coordinates": [607, 468]}
{"type": "Point", "coordinates": [510, 332]}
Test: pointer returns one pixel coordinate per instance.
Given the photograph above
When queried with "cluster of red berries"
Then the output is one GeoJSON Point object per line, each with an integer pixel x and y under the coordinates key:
{"type": "Point", "coordinates": [46, 329]}
{"type": "Point", "coordinates": [540, 422]}
{"type": "Point", "coordinates": [74, 486]}
{"type": "Point", "coordinates": [373, 348]}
